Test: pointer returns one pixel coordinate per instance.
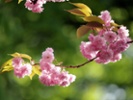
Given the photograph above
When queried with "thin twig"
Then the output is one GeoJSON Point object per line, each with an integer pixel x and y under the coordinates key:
{"type": "Point", "coordinates": [130, 41]}
{"type": "Point", "coordinates": [80, 65]}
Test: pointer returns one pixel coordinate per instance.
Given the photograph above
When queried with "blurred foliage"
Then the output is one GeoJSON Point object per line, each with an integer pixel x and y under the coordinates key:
{"type": "Point", "coordinates": [26, 32]}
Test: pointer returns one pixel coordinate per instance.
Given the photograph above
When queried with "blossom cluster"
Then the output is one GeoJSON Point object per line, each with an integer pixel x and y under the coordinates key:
{"type": "Point", "coordinates": [36, 6]}
{"type": "Point", "coordinates": [21, 69]}
{"type": "Point", "coordinates": [51, 74]}
{"type": "Point", "coordinates": [108, 44]}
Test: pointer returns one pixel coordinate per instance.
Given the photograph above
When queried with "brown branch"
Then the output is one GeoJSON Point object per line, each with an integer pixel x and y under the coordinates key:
{"type": "Point", "coordinates": [80, 65]}
{"type": "Point", "coordinates": [130, 41]}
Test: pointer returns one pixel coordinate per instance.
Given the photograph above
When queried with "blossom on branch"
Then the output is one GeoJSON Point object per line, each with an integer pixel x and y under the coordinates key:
{"type": "Point", "coordinates": [21, 69]}
{"type": "Point", "coordinates": [108, 44]}
{"type": "Point", "coordinates": [51, 74]}
{"type": "Point", "coordinates": [36, 6]}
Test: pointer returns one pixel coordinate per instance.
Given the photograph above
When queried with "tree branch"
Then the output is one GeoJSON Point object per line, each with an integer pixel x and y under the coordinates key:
{"type": "Point", "coordinates": [130, 41]}
{"type": "Point", "coordinates": [80, 65]}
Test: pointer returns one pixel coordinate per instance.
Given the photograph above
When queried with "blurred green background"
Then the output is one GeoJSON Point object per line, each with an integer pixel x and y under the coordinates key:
{"type": "Point", "coordinates": [26, 32]}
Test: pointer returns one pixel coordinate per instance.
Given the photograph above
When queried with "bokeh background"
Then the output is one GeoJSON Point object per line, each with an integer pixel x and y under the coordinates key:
{"type": "Point", "coordinates": [26, 32]}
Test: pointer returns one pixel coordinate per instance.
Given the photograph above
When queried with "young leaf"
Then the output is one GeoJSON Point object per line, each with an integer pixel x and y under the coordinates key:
{"type": "Point", "coordinates": [93, 19]}
{"type": "Point", "coordinates": [84, 7]}
{"type": "Point", "coordinates": [36, 69]}
{"type": "Point", "coordinates": [19, 1]}
{"type": "Point", "coordinates": [115, 26]}
{"type": "Point", "coordinates": [21, 55]}
{"type": "Point", "coordinates": [78, 12]}
{"type": "Point", "coordinates": [82, 30]}
{"type": "Point", "coordinates": [31, 75]}
{"type": "Point", "coordinates": [94, 24]}
{"type": "Point", "coordinates": [7, 66]}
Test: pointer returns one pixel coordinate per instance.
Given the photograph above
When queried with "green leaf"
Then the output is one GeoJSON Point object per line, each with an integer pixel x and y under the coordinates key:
{"type": "Point", "coordinates": [82, 30]}
{"type": "Point", "coordinates": [93, 19]}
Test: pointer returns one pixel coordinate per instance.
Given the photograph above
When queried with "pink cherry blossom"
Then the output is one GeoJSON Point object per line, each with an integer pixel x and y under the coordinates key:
{"type": "Point", "coordinates": [35, 5]}
{"type": "Point", "coordinates": [66, 79]}
{"type": "Point", "coordinates": [110, 36]}
{"type": "Point", "coordinates": [56, 70]}
{"type": "Point", "coordinates": [48, 56]}
{"type": "Point", "coordinates": [46, 65]}
{"type": "Point", "coordinates": [56, 77]}
{"type": "Point", "coordinates": [17, 61]}
{"type": "Point", "coordinates": [55, 0]}
{"type": "Point", "coordinates": [23, 70]}
{"type": "Point", "coordinates": [104, 56]}
{"type": "Point", "coordinates": [91, 37]}
{"type": "Point", "coordinates": [120, 46]}
{"type": "Point", "coordinates": [45, 78]}
{"type": "Point", "coordinates": [52, 75]}
{"type": "Point", "coordinates": [108, 44]}
{"type": "Point", "coordinates": [105, 15]}
{"type": "Point", "coordinates": [123, 32]}
{"type": "Point", "coordinates": [85, 49]}
{"type": "Point", "coordinates": [116, 57]}
{"type": "Point", "coordinates": [99, 42]}
{"type": "Point", "coordinates": [72, 78]}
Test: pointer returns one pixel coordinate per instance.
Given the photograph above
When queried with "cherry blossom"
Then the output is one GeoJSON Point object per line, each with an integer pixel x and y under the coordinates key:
{"type": "Point", "coordinates": [51, 74]}
{"type": "Point", "coordinates": [107, 45]}
{"type": "Point", "coordinates": [36, 6]}
{"type": "Point", "coordinates": [23, 70]}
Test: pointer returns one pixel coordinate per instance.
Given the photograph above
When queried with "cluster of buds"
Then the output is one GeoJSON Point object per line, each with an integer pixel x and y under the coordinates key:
{"type": "Point", "coordinates": [108, 44]}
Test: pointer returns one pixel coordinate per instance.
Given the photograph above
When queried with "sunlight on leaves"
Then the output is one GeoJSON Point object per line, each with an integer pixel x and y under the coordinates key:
{"type": "Point", "coordinates": [83, 7]}
{"type": "Point", "coordinates": [35, 70]}
{"type": "Point", "coordinates": [21, 55]}
{"type": "Point", "coordinates": [7, 66]}
{"type": "Point", "coordinates": [93, 19]}
{"type": "Point", "coordinates": [82, 10]}
{"type": "Point", "coordinates": [19, 1]}
{"type": "Point", "coordinates": [78, 12]}
{"type": "Point", "coordinates": [82, 30]}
